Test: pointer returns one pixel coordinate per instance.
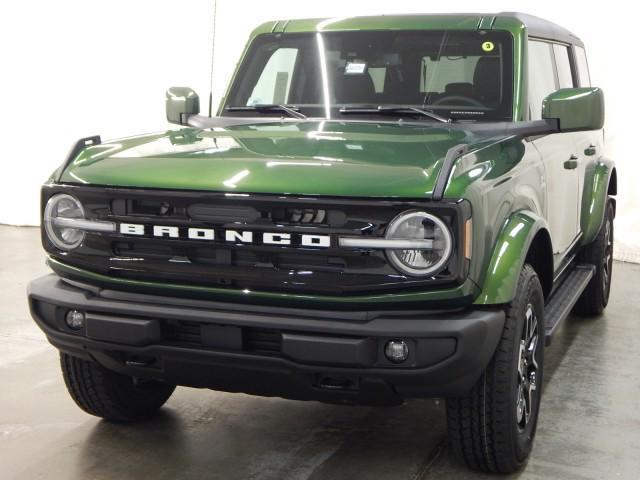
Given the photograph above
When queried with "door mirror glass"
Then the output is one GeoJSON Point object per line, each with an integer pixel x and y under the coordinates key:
{"type": "Point", "coordinates": [181, 102]}
{"type": "Point", "coordinates": [576, 109]}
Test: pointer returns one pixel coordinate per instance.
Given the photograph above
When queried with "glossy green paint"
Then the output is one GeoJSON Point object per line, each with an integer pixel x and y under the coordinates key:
{"type": "Point", "coordinates": [462, 293]}
{"type": "Point", "coordinates": [594, 198]}
{"type": "Point", "coordinates": [181, 102]}
{"type": "Point", "coordinates": [508, 257]}
{"type": "Point", "coordinates": [576, 109]}
{"type": "Point", "coordinates": [502, 177]}
{"type": "Point", "coordinates": [501, 181]}
{"type": "Point", "coordinates": [357, 159]}
{"type": "Point", "coordinates": [380, 22]}
{"type": "Point", "coordinates": [520, 68]}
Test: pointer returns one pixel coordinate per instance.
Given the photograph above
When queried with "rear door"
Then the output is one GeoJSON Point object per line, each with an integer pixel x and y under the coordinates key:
{"type": "Point", "coordinates": [574, 73]}
{"type": "Point", "coordinates": [558, 152]}
{"type": "Point", "coordinates": [589, 145]}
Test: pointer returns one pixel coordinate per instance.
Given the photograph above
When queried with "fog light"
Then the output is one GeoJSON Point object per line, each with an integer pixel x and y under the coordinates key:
{"type": "Point", "coordinates": [397, 351]}
{"type": "Point", "coordinates": [74, 319]}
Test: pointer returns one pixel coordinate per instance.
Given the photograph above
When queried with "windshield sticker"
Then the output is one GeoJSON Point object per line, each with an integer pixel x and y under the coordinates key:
{"type": "Point", "coordinates": [355, 68]}
{"type": "Point", "coordinates": [488, 46]}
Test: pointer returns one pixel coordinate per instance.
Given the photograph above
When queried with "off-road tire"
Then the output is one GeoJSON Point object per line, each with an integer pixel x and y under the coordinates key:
{"type": "Point", "coordinates": [484, 426]}
{"type": "Point", "coordinates": [595, 297]}
{"type": "Point", "coordinates": [110, 395]}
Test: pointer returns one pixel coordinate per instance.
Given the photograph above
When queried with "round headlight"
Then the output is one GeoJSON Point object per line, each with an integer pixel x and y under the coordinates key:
{"type": "Point", "coordinates": [419, 226]}
{"type": "Point", "coordinates": [60, 207]}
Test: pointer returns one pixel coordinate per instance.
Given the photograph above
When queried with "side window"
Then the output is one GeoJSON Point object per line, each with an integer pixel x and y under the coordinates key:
{"type": "Point", "coordinates": [563, 65]}
{"type": "Point", "coordinates": [275, 80]}
{"type": "Point", "coordinates": [583, 67]}
{"type": "Point", "coordinates": [542, 77]}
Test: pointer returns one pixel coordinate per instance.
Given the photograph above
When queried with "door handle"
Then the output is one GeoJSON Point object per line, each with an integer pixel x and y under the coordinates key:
{"type": "Point", "coordinates": [572, 163]}
{"type": "Point", "coordinates": [590, 150]}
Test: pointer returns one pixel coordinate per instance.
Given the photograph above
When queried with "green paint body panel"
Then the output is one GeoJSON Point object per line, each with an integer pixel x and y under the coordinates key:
{"type": "Point", "coordinates": [594, 198]}
{"type": "Point", "coordinates": [508, 258]}
{"type": "Point", "coordinates": [359, 159]}
{"type": "Point", "coordinates": [501, 176]}
{"type": "Point", "coordinates": [576, 108]}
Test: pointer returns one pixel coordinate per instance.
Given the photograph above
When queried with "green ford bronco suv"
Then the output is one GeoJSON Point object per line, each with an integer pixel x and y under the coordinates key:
{"type": "Point", "coordinates": [383, 208]}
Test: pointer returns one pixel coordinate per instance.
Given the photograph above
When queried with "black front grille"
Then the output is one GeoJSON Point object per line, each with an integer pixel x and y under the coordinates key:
{"type": "Point", "coordinates": [257, 266]}
{"type": "Point", "coordinates": [308, 216]}
{"type": "Point", "coordinates": [183, 333]}
{"type": "Point", "coordinates": [262, 340]}
{"type": "Point", "coordinates": [255, 340]}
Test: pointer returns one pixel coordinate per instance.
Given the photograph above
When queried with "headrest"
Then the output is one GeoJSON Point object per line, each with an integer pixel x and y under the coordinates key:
{"type": "Point", "coordinates": [462, 89]}
{"type": "Point", "coordinates": [354, 88]}
{"type": "Point", "coordinates": [487, 80]}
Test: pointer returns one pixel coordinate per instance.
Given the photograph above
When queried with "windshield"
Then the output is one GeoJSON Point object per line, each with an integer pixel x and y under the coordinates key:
{"type": "Point", "coordinates": [457, 74]}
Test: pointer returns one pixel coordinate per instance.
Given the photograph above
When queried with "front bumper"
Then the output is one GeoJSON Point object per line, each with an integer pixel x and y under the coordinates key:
{"type": "Point", "coordinates": [307, 354]}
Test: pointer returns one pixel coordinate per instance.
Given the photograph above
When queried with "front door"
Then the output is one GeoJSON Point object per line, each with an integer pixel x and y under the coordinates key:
{"type": "Point", "coordinates": [558, 151]}
{"type": "Point", "coordinates": [562, 185]}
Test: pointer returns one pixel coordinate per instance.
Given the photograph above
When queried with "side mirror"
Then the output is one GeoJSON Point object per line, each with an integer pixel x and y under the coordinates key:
{"type": "Point", "coordinates": [181, 102]}
{"type": "Point", "coordinates": [576, 109]}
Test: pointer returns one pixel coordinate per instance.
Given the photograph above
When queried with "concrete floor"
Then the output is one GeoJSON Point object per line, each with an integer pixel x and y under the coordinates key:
{"type": "Point", "coordinates": [589, 426]}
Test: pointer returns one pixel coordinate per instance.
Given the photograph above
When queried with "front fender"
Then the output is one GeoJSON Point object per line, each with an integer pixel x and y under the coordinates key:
{"type": "Point", "coordinates": [508, 257]}
{"type": "Point", "coordinates": [594, 199]}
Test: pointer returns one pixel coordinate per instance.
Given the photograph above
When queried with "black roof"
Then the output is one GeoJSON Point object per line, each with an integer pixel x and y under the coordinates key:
{"type": "Point", "coordinates": [539, 27]}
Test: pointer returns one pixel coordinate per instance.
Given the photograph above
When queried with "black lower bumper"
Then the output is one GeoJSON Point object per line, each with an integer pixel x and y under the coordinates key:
{"type": "Point", "coordinates": [331, 356]}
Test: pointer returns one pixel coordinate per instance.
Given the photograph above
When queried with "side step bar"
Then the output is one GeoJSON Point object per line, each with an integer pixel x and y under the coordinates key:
{"type": "Point", "coordinates": [565, 297]}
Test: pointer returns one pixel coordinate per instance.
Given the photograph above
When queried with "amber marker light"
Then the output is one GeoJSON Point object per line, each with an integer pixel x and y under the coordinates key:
{"type": "Point", "coordinates": [468, 238]}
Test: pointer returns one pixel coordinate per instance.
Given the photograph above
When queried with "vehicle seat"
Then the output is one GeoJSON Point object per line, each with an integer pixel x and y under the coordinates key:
{"type": "Point", "coordinates": [487, 81]}
{"type": "Point", "coordinates": [461, 89]}
{"type": "Point", "coordinates": [398, 88]}
{"type": "Point", "coordinates": [357, 88]}
{"type": "Point", "coordinates": [458, 89]}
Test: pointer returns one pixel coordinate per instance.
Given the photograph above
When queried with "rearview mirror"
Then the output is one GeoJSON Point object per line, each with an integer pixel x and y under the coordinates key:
{"type": "Point", "coordinates": [181, 103]}
{"type": "Point", "coordinates": [576, 109]}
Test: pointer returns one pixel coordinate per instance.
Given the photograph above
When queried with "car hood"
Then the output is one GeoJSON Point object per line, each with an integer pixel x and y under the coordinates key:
{"type": "Point", "coordinates": [359, 159]}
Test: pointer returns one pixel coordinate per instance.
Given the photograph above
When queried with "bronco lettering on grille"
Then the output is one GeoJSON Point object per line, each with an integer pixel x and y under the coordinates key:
{"type": "Point", "coordinates": [230, 236]}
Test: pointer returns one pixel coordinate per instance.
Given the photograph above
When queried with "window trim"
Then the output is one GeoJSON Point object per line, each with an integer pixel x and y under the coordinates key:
{"type": "Point", "coordinates": [575, 74]}
{"type": "Point", "coordinates": [586, 61]}
{"type": "Point", "coordinates": [553, 64]}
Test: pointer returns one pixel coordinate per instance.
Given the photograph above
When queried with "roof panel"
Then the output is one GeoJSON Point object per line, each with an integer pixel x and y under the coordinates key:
{"type": "Point", "coordinates": [536, 26]}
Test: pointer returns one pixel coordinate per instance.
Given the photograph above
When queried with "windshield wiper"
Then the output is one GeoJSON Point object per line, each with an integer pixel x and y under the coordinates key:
{"type": "Point", "coordinates": [391, 109]}
{"type": "Point", "coordinates": [268, 107]}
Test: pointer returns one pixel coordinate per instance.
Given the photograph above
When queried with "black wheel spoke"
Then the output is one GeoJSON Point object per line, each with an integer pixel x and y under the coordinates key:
{"type": "Point", "coordinates": [607, 257]}
{"type": "Point", "coordinates": [513, 408]}
{"type": "Point", "coordinates": [527, 367]}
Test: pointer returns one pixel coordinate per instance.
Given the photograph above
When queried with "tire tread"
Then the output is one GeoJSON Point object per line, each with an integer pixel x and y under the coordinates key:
{"type": "Point", "coordinates": [109, 395]}
{"type": "Point", "coordinates": [478, 423]}
{"type": "Point", "coordinates": [592, 302]}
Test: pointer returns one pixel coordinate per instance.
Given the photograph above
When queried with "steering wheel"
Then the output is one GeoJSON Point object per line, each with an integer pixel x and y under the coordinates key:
{"type": "Point", "coordinates": [467, 101]}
